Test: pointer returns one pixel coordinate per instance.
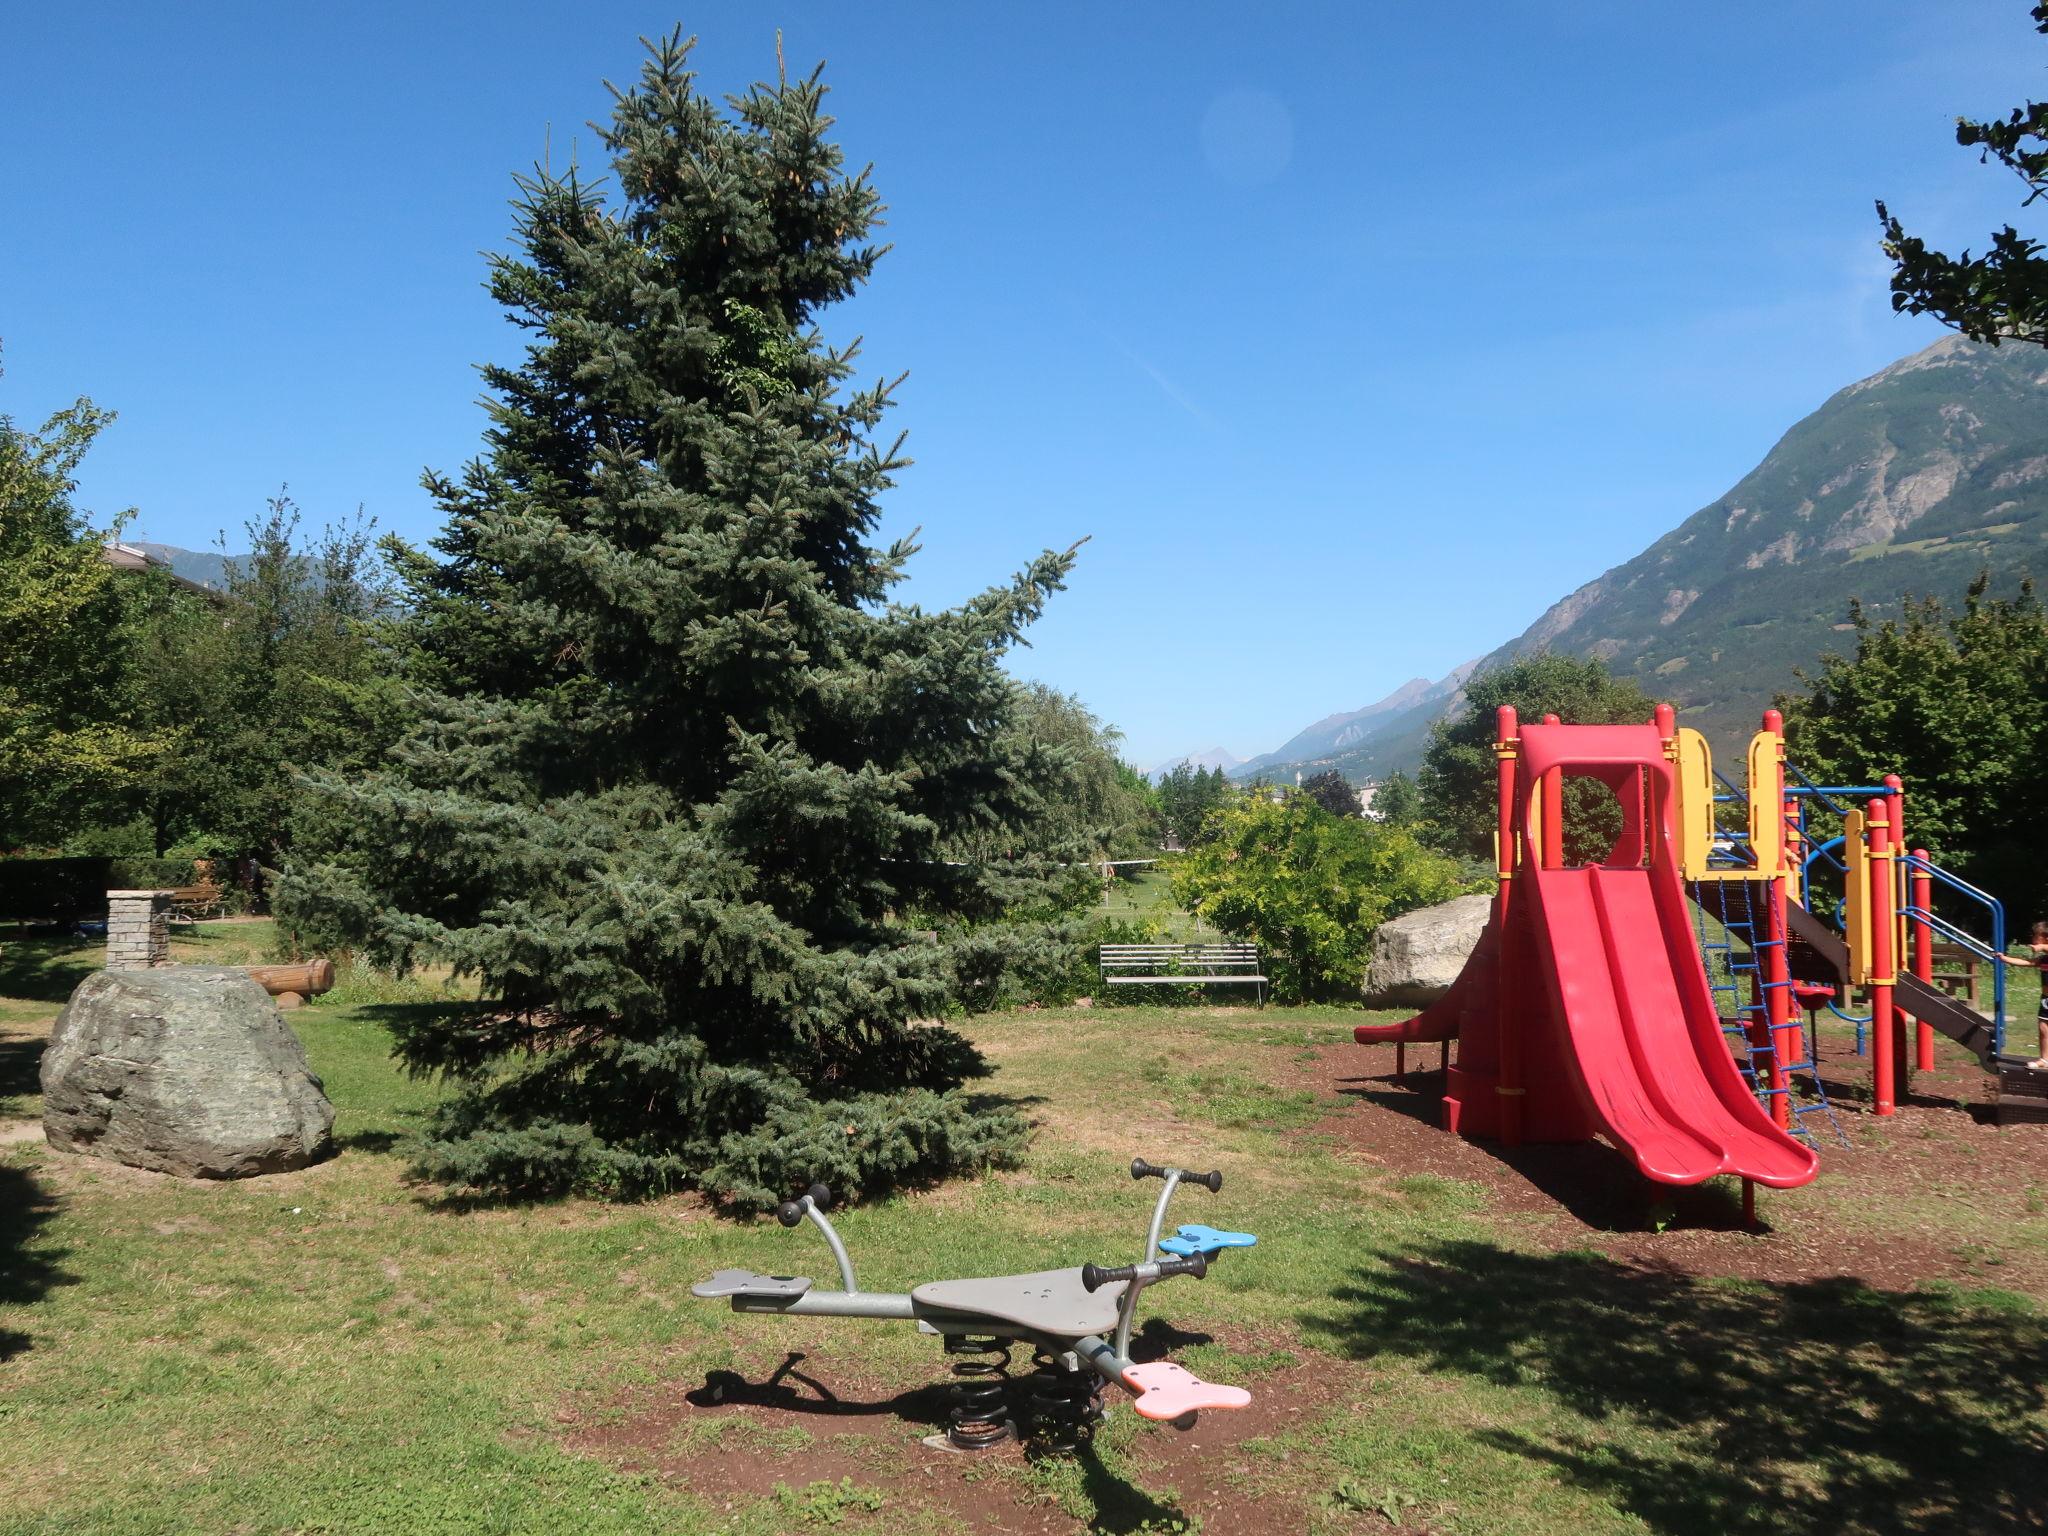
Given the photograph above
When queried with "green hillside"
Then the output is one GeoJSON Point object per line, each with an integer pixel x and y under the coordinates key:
{"type": "Point", "coordinates": [1911, 481]}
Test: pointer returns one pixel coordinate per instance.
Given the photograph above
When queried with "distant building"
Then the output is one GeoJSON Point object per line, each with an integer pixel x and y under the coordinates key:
{"type": "Point", "coordinates": [126, 557]}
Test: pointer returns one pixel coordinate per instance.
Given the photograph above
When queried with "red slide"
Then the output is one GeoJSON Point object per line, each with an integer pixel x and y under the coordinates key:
{"type": "Point", "coordinates": [1643, 1036]}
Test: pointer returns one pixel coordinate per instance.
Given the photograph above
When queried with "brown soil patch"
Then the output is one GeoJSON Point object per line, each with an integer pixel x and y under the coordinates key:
{"type": "Point", "coordinates": [1852, 1221]}
{"type": "Point", "coordinates": [797, 1419]}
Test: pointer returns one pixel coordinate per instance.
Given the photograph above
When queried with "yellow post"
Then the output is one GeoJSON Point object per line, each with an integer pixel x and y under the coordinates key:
{"type": "Point", "coordinates": [1767, 804]}
{"type": "Point", "coordinates": [1695, 803]}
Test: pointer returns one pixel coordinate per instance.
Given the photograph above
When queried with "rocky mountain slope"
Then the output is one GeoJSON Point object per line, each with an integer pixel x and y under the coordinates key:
{"type": "Point", "coordinates": [1908, 482]}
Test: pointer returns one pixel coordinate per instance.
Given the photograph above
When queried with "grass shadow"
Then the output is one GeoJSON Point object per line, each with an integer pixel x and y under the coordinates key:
{"type": "Point", "coordinates": [1591, 1180]}
{"type": "Point", "coordinates": [45, 970]}
{"type": "Point", "coordinates": [27, 1270]}
{"type": "Point", "coordinates": [1697, 1406]}
{"type": "Point", "coordinates": [20, 1070]}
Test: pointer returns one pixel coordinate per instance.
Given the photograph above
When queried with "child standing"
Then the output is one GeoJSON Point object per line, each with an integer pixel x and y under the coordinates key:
{"type": "Point", "coordinates": [2037, 961]}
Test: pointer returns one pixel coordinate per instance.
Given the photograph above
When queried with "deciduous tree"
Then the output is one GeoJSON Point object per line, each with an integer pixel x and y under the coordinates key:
{"type": "Point", "coordinates": [70, 747]}
{"type": "Point", "coordinates": [1459, 774]}
{"type": "Point", "coordinates": [1308, 887]}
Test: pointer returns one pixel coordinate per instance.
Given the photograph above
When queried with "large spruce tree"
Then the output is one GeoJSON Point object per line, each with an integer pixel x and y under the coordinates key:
{"type": "Point", "coordinates": [688, 796]}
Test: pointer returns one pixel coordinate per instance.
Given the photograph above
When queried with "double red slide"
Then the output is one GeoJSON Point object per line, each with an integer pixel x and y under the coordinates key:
{"type": "Point", "coordinates": [1589, 1012]}
{"type": "Point", "coordinates": [1643, 1035]}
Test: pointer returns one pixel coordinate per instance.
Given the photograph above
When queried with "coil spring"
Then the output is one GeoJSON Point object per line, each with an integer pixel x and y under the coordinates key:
{"type": "Point", "coordinates": [1063, 1401]}
{"type": "Point", "coordinates": [978, 1409]}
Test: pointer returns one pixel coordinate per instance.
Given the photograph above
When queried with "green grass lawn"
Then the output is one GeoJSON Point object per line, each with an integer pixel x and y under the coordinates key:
{"type": "Point", "coordinates": [1147, 897]}
{"type": "Point", "coordinates": [342, 1351]}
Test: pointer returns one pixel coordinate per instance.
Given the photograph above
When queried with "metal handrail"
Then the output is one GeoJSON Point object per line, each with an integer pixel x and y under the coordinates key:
{"type": "Point", "coordinates": [1993, 952]}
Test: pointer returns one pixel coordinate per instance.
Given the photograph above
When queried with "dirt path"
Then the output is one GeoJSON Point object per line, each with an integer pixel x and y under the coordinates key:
{"type": "Point", "coordinates": [1866, 1216]}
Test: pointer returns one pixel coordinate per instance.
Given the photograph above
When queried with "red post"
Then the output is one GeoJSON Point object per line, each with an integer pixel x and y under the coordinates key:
{"type": "Point", "coordinates": [1923, 953]}
{"type": "Point", "coordinates": [1509, 1086]}
{"type": "Point", "coordinates": [1883, 1022]}
{"type": "Point", "coordinates": [1781, 1018]}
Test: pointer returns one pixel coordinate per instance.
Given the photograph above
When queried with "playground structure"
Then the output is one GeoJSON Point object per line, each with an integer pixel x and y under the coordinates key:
{"type": "Point", "coordinates": [1077, 1322]}
{"type": "Point", "coordinates": [1656, 996]}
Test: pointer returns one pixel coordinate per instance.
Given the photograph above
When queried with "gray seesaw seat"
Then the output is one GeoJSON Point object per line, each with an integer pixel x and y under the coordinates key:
{"type": "Point", "coordinates": [1047, 1301]}
{"type": "Point", "coordinates": [744, 1282]}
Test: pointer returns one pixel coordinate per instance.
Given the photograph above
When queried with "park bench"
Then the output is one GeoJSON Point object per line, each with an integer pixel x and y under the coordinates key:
{"type": "Point", "coordinates": [1166, 965]}
{"type": "Point", "coordinates": [195, 901]}
{"type": "Point", "coordinates": [1955, 972]}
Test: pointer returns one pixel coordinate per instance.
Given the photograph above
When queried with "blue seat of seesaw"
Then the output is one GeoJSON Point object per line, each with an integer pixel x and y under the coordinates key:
{"type": "Point", "coordinates": [1195, 1238]}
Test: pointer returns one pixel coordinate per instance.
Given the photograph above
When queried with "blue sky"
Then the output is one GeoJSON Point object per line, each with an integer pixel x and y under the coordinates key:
{"type": "Point", "coordinates": [1352, 336]}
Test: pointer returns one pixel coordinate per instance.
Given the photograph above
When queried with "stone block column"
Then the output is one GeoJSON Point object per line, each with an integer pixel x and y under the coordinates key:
{"type": "Point", "coordinates": [138, 930]}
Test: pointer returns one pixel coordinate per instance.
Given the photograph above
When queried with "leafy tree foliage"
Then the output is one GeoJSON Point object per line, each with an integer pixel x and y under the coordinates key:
{"type": "Point", "coordinates": [1308, 887]}
{"type": "Point", "coordinates": [291, 667]}
{"type": "Point", "coordinates": [69, 745]}
{"type": "Point", "coordinates": [1396, 801]}
{"type": "Point", "coordinates": [1953, 703]}
{"type": "Point", "coordinates": [2001, 295]}
{"type": "Point", "coordinates": [1332, 791]}
{"type": "Point", "coordinates": [1459, 777]}
{"type": "Point", "coordinates": [681, 768]}
{"type": "Point", "coordinates": [1187, 796]}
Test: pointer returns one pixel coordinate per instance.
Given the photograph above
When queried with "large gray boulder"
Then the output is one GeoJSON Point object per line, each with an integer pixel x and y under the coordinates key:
{"type": "Point", "coordinates": [187, 1070]}
{"type": "Point", "coordinates": [1416, 957]}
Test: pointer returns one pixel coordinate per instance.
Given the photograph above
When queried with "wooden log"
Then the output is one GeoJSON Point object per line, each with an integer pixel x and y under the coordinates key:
{"type": "Point", "coordinates": [308, 980]}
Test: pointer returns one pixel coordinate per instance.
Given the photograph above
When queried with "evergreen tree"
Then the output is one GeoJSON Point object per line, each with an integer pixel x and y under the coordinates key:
{"type": "Point", "coordinates": [1187, 796]}
{"type": "Point", "coordinates": [1396, 801]}
{"type": "Point", "coordinates": [681, 766]}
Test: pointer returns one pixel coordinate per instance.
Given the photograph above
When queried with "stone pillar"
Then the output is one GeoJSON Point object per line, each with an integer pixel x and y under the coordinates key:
{"type": "Point", "coordinates": [138, 930]}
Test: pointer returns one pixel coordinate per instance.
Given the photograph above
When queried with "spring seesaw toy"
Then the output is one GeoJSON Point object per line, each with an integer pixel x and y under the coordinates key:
{"type": "Point", "coordinates": [1076, 1321]}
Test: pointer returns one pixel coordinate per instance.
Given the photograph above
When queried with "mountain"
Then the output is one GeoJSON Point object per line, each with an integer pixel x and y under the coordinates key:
{"type": "Point", "coordinates": [1356, 741]}
{"type": "Point", "coordinates": [1908, 482]}
{"type": "Point", "coordinates": [1215, 757]}
{"type": "Point", "coordinates": [1333, 733]}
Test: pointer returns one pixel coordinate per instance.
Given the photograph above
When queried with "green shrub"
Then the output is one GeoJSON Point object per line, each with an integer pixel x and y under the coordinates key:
{"type": "Point", "coordinates": [1309, 888]}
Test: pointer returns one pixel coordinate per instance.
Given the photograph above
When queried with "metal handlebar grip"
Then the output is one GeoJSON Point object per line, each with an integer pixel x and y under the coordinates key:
{"type": "Point", "coordinates": [1211, 1181]}
{"type": "Point", "coordinates": [1095, 1276]}
{"type": "Point", "coordinates": [789, 1213]}
{"type": "Point", "coordinates": [821, 1197]}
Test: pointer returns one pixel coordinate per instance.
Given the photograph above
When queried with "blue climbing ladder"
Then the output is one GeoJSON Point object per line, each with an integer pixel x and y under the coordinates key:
{"type": "Point", "coordinates": [1735, 974]}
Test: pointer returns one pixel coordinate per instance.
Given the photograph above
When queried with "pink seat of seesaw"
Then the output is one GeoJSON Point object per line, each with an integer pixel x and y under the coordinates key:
{"type": "Point", "coordinates": [1167, 1391]}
